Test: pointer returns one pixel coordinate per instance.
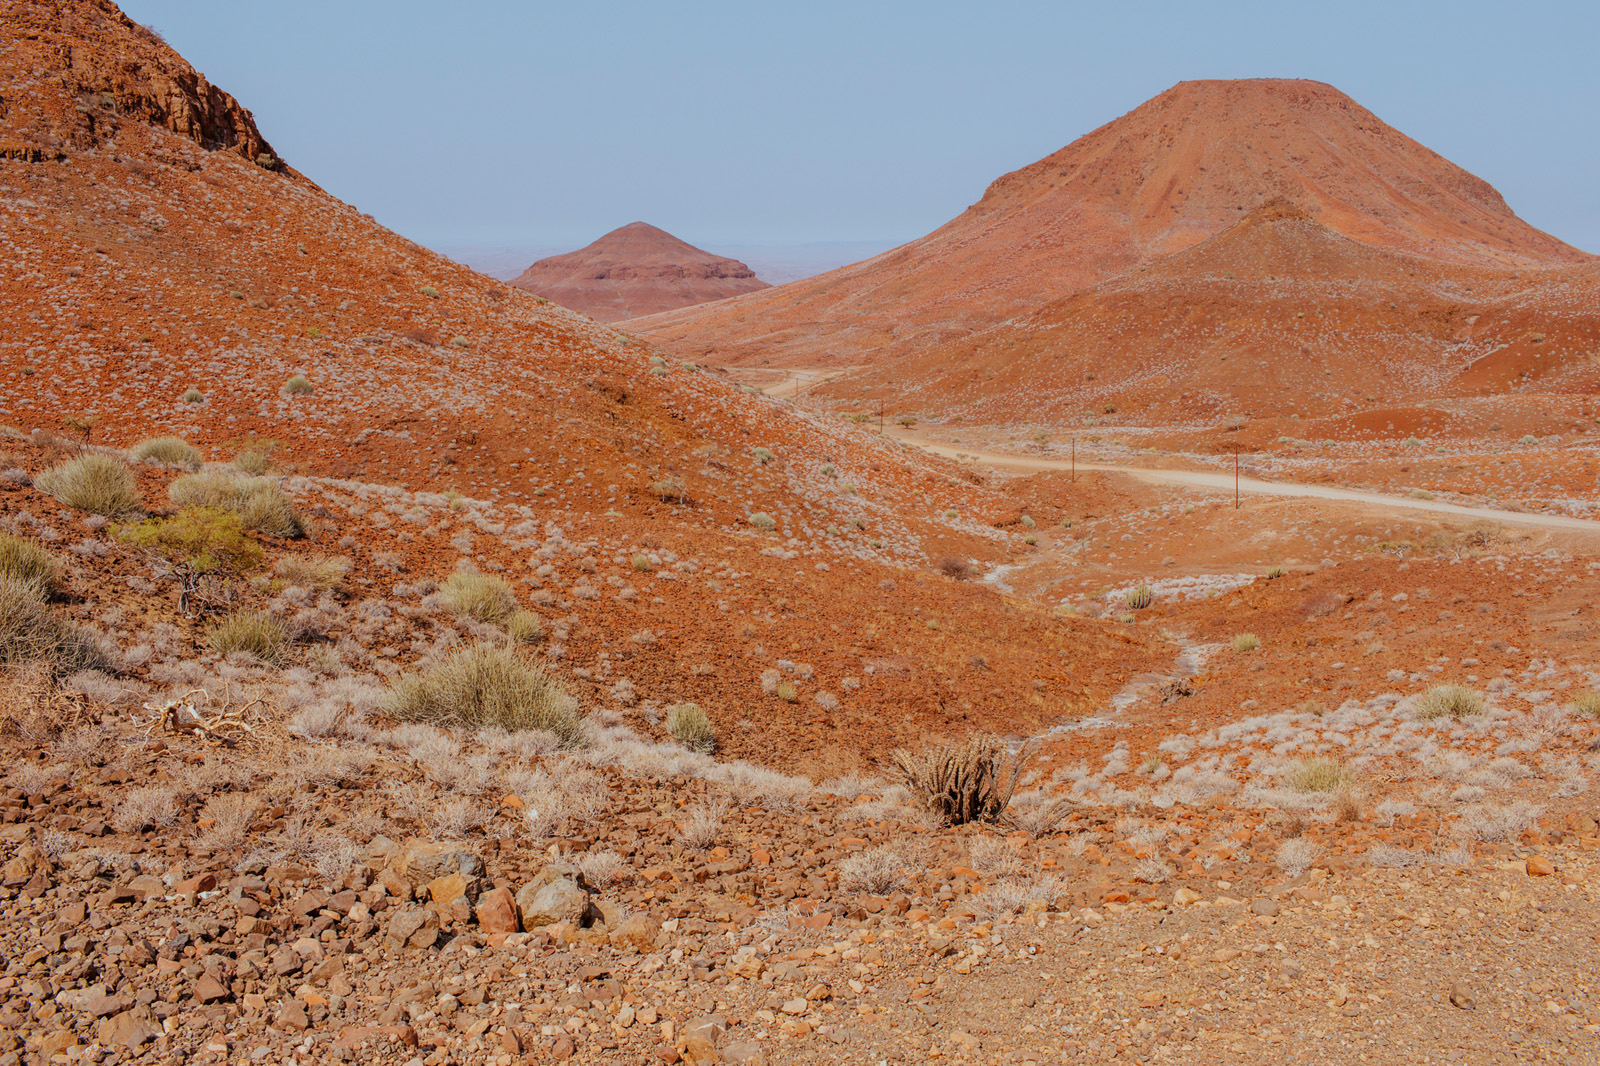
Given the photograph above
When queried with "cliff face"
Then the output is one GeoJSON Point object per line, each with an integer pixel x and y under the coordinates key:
{"type": "Point", "coordinates": [107, 71]}
{"type": "Point", "coordinates": [637, 270]}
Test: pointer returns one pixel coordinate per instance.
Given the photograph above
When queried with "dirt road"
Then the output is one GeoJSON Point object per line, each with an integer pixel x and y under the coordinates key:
{"type": "Point", "coordinates": [1223, 482]}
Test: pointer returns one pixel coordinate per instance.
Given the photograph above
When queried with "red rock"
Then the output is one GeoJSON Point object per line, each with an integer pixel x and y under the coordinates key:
{"type": "Point", "coordinates": [497, 912]}
{"type": "Point", "coordinates": [1539, 866]}
{"type": "Point", "coordinates": [208, 989]}
{"type": "Point", "coordinates": [563, 1048]}
{"type": "Point", "coordinates": [205, 882]}
{"type": "Point", "coordinates": [131, 1029]}
{"type": "Point", "coordinates": [354, 1035]}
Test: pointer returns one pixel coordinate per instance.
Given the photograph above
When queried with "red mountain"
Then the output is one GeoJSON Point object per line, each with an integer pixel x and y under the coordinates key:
{"type": "Point", "coordinates": [634, 271]}
{"type": "Point", "coordinates": [1178, 169]}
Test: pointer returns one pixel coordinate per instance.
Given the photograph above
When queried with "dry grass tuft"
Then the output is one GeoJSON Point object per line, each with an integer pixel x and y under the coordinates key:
{"type": "Point", "coordinates": [30, 632]}
{"type": "Point", "coordinates": [1448, 701]}
{"type": "Point", "coordinates": [1317, 774]}
{"type": "Point", "coordinates": [482, 596]}
{"type": "Point", "coordinates": [486, 685]}
{"type": "Point", "coordinates": [972, 782]}
{"type": "Point", "coordinates": [691, 727]}
{"type": "Point", "coordinates": [1586, 704]}
{"type": "Point", "coordinates": [230, 815]}
{"type": "Point", "coordinates": [26, 562]}
{"type": "Point", "coordinates": [703, 826]}
{"type": "Point", "coordinates": [260, 502]}
{"type": "Point", "coordinates": [94, 482]}
{"type": "Point", "coordinates": [255, 633]}
{"type": "Point", "coordinates": [876, 871]}
{"type": "Point", "coordinates": [1298, 855]}
{"type": "Point", "coordinates": [1246, 642]}
{"type": "Point", "coordinates": [313, 571]}
{"type": "Point", "coordinates": [174, 451]}
{"type": "Point", "coordinates": [525, 627]}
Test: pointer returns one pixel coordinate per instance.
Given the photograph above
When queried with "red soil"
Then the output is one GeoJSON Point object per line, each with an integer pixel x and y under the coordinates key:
{"type": "Point", "coordinates": [634, 271]}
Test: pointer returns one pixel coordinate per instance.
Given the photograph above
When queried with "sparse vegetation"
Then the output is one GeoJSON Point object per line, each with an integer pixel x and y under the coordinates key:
{"type": "Point", "coordinates": [486, 685]}
{"type": "Point", "coordinates": [251, 461]}
{"type": "Point", "coordinates": [313, 571]}
{"type": "Point", "coordinates": [763, 455]}
{"type": "Point", "coordinates": [971, 782]}
{"type": "Point", "coordinates": [1246, 642]}
{"type": "Point", "coordinates": [670, 488]}
{"type": "Point", "coordinates": [525, 627]}
{"type": "Point", "coordinates": [691, 727]}
{"type": "Point", "coordinates": [93, 482]}
{"type": "Point", "coordinates": [260, 502]}
{"type": "Point", "coordinates": [1586, 704]}
{"type": "Point", "coordinates": [31, 632]}
{"type": "Point", "coordinates": [1140, 598]}
{"type": "Point", "coordinates": [25, 562]}
{"type": "Point", "coordinates": [763, 521]}
{"type": "Point", "coordinates": [485, 597]}
{"type": "Point", "coordinates": [174, 451]}
{"type": "Point", "coordinates": [1274, 572]}
{"type": "Point", "coordinates": [194, 396]}
{"type": "Point", "coordinates": [1317, 774]}
{"type": "Point", "coordinates": [1448, 701]}
{"type": "Point", "coordinates": [255, 633]}
{"type": "Point", "coordinates": [786, 691]}
{"type": "Point", "coordinates": [875, 872]}
{"type": "Point", "coordinates": [197, 547]}
{"type": "Point", "coordinates": [960, 569]}
{"type": "Point", "coordinates": [298, 386]}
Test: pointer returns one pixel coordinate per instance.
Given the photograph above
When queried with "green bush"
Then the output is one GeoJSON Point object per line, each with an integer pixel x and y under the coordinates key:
{"type": "Point", "coordinates": [482, 596]}
{"type": "Point", "coordinates": [691, 727]}
{"type": "Point", "coordinates": [485, 685]}
{"type": "Point", "coordinates": [1449, 701]}
{"type": "Point", "coordinates": [173, 451]}
{"type": "Point", "coordinates": [30, 632]}
{"type": "Point", "coordinates": [203, 540]}
{"type": "Point", "coordinates": [94, 482]}
{"type": "Point", "coordinates": [298, 386]}
{"type": "Point", "coordinates": [260, 502]}
{"type": "Point", "coordinates": [24, 561]}
{"type": "Point", "coordinates": [255, 633]}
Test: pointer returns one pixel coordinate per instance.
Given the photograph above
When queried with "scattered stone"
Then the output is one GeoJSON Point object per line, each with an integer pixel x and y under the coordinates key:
{"type": "Point", "coordinates": [131, 1029]}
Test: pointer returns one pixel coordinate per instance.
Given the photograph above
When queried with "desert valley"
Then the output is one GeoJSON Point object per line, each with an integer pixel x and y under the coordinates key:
{"type": "Point", "coordinates": [1150, 618]}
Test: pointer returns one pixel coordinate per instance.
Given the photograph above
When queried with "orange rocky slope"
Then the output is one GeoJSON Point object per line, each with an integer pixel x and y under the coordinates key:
{"type": "Point", "coordinates": [637, 270]}
{"type": "Point", "coordinates": [166, 279]}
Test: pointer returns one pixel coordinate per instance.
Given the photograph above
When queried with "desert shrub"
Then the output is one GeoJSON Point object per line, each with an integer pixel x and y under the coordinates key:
{"type": "Point", "coordinates": [786, 691]}
{"type": "Point", "coordinates": [876, 871]}
{"type": "Point", "coordinates": [260, 502]}
{"type": "Point", "coordinates": [602, 869]}
{"type": "Point", "coordinates": [94, 482]}
{"type": "Point", "coordinates": [525, 627]}
{"type": "Point", "coordinates": [195, 547]}
{"type": "Point", "coordinates": [1586, 704]}
{"type": "Point", "coordinates": [1297, 855]}
{"type": "Point", "coordinates": [1448, 701]}
{"type": "Point", "coordinates": [828, 470]}
{"type": "Point", "coordinates": [642, 563]}
{"type": "Point", "coordinates": [298, 386]}
{"type": "Point", "coordinates": [194, 396]}
{"type": "Point", "coordinates": [175, 451]}
{"type": "Point", "coordinates": [691, 727]}
{"type": "Point", "coordinates": [763, 521]}
{"type": "Point", "coordinates": [1275, 572]}
{"type": "Point", "coordinates": [670, 488]}
{"type": "Point", "coordinates": [486, 685]}
{"type": "Point", "coordinates": [313, 571]}
{"type": "Point", "coordinates": [704, 824]}
{"type": "Point", "coordinates": [30, 632]}
{"type": "Point", "coordinates": [1140, 598]}
{"type": "Point", "coordinates": [952, 567]}
{"type": "Point", "coordinates": [1528, 438]}
{"type": "Point", "coordinates": [26, 562]}
{"type": "Point", "coordinates": [1317, 774]}
{"type": "Point", "coordinates": [482, 596]}
{"type": "Point", "coordinates": [1246, 642]}
{"type": "Point", "coordinates": [251, 461]}
{"type": "Point", "coordinates": [763, 455]}
{"type": "Point", "coordinates": [255, 633]}
{"type": "Point", "coordinates": [971, 782]}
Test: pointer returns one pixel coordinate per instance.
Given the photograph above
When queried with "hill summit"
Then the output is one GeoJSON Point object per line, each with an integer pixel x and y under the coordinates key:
{"type": "Point", "coordinates": [637, 270]}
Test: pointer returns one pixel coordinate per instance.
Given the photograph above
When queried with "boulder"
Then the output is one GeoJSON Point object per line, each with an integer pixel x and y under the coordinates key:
{"type": "Point", "coordinates": [559, 900]}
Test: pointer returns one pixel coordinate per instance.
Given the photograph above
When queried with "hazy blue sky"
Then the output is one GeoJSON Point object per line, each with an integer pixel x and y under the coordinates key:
{"type": "Point", "coordinates": [534, 124]}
